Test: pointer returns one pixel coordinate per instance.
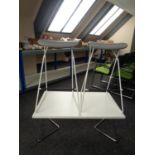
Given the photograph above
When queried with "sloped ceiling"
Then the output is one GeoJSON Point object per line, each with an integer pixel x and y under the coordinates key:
{"type": "Point", "coordinates": [29, 8]}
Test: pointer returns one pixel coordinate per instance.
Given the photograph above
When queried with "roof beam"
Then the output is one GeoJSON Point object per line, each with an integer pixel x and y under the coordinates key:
{"type": "Point", "coordinates": [101, 13]}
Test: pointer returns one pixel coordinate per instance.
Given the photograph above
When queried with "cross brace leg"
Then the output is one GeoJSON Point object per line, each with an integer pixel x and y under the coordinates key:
{"type": "Point", "coordinates": [102, 132]}
{"type": "Point", "coordinates": [39, 140]}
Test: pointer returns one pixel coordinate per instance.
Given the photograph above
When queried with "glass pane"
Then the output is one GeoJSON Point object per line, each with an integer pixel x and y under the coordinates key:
{"type": "Point", "coordinates": [63, 14]}
{"type": "Point", "coordinates": [107, 20]}
{"type": "Point", "coordinates": [78, 15]}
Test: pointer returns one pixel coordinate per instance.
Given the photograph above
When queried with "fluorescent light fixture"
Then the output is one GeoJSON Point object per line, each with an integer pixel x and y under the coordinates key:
{"type": "Point", "coordinates": [66, 9]}
{"type": "Point", "coordinates": [69, 15]}
{"type": "Point", "coordinates": [107, 20]}
{"type": "Point", "coordinates": [78, 15]}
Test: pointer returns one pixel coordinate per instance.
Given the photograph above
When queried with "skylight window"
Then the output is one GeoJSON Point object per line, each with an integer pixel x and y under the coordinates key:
{"type": "Point", "coordinates": [69, 15]}
{"type": "Point", "coordinates": [107, 20]}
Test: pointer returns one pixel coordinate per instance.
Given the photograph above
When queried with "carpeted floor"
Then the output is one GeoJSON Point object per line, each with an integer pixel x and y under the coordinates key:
{"type": "Point", "coordinates": [75, 137]}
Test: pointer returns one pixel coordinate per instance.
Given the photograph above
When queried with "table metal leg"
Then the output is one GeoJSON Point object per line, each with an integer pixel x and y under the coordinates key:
{"type": "Point", "coordinates": [39, 140]}
{"type": "Point", "coordinates": [102, 132]}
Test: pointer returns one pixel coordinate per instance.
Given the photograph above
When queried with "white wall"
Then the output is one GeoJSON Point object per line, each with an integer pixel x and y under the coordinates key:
{"type": "Point", "coordinates": [26, 28]}
{"type": "Point", "coordinates": [28, 10]}
{"type": "Point", "coordinates": [125, 34]}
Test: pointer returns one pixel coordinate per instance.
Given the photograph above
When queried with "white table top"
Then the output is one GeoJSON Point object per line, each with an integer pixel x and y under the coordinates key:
{"type": "Point", "coordinates": [62, 104]}
{"type": "Point", "coordinates": [113, 46]}
{"type": "Point", "coordinates": [59, 43]}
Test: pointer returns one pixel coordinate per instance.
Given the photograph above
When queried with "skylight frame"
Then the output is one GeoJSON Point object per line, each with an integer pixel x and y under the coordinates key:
{"type": "Point", "coordinates": [104, 23]}
{"type": "Point", "coordinates": [62, 29]}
